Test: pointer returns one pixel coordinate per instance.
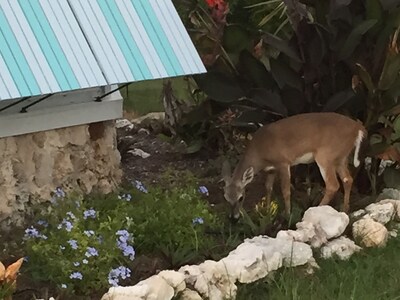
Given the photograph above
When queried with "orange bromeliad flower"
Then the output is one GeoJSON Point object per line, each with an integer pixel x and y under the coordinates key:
{"type": "Point", "coordinates": [219, 8]}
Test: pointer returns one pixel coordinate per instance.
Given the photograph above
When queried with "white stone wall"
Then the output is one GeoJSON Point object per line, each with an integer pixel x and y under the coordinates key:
{"type": "Point", "coordinates": [83, 157]}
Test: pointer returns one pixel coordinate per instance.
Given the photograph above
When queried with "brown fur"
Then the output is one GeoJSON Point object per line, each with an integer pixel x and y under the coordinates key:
{"type": "Point", "coordinates": [329, 137]}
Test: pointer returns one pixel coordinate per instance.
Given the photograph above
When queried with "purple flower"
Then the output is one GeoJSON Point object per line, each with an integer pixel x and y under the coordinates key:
{"type": "Point", "coordinates": [203, 190]}
{"type": "Point", "coordinates": [89, 233]}
{"type": "Point", "coordinates": [115, 274]}
{"type": "Point", "coordinates": [122, 243]}
{"type": "Point", "coordinates": [90, 251]}
{"type": "Point", "coordinates": [66, 224]}
{"type": "Point", "coordinates": [140, 187]}
{"type": "Point", "coordinates": [76, 275]}
{"type": "Point", "coordinates": [42, 223]}
{"type": "Point", "coordinates": [198, 220]}
{"type": "Point", "coordinates": [90, 213]}
{"type": "Point", "coordinates": [71, 215]}
{"type": "Point", "coordinates": [32, 232]}
{"type": "Point", "coordinates": [73, 244]}
{"type": "Point", "coordinates": [59, 192]}
{"type": "Point", "coordinates": [85, 261]}
{"type": "Point", "coordinates": [126, 197]}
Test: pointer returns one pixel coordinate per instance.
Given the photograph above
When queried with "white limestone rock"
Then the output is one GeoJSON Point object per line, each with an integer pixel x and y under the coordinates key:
{"type": "Point", "coordinates": [342, 247]}
{"type": "Point", "coordinates": [396, 204]}
{"type": "Point", "coordinates": [380, 212]}
{"type": "Point", "coordinates": [328, 223]}
{"type": "Point", "coordinates": [175, 279]}
{"type": "Point", "coordinates": [210, 279]}
{"type": "Point", "coordinates": [121, 123]}
{"type": "Point", "coordinates": [369, 233]}
{"type": "Point", "coordinates": [153, 288]}
{"type": "Point", "coordinates": [358, 214]}
{"type": "Point", "coordinates": [190, 295]}
{"type": "Point", "coordinates": [139, 152]}
{"type": "Point", "coordinates": [305, 232]}
{"type": "Point", "coordinates": [258, 256]}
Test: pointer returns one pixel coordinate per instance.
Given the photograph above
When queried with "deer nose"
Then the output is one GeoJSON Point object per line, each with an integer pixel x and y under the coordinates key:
{"type": "Point", "coordinates": [234, 219]}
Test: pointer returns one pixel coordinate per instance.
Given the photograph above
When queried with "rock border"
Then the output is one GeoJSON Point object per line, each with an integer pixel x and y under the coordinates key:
{"type": "Point", "coordinates": [321, 229]}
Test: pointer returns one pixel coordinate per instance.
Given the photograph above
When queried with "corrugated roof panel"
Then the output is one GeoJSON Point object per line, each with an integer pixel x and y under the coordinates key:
{"type": "Point", "coordinates": [171, 35]}
{"type": "Point", "coordinates": [50, 46]}
{"type": "Point", "coordinates": [142, 39]}
{"type": "Point", "coordinates": [30, 46]}
{"type": "Point", "coordinates": [183, 36]}
{"type": "Point", "coordinates": [102, 41]}
{"type": "Point", "coordinates": [157, 36]}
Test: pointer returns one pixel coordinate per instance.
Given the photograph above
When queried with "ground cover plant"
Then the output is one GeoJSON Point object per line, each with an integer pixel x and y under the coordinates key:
{"type": "Point", "coordinates": [371, 274]}
{"type": "Point", "coordinates": [83, 245]}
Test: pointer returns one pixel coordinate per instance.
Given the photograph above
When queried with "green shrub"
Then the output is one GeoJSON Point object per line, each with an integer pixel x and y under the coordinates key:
{"type": "Point", "coordinates": [88, 244]}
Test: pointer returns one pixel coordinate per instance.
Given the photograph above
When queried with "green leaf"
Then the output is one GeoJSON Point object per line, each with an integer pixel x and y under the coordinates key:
{"type": "Point", "coordinates": [354, 38]}
{"type": "Point", "coordinates": [338, 100]}
{"type": "Point", "coordinates": [219, 86]}
{"type": "Point", "coordinates": [281, 45]}
{"type": "Point", "coordinates": [396, 125]}
{"type": "Point", "coordinates": [268, 99]}
{"type": "Point", "coordinates": [235, 38]}
{"type": "Point", "coordinates": [366, 78]}
{"type": "Point", "coordinates": [284, 75]}
{"type": "Point", "coordinates": [254, 70]}
{"type": "Point", "coordinates": [391, 177]}
{"type": "Point", "coordinates": [373, 9]}
{"type": "Point", "coordinates": [390, 70]}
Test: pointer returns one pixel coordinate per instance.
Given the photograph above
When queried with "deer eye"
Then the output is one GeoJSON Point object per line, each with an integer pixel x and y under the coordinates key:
{"type": "Point", "coordinates": [241, 199]}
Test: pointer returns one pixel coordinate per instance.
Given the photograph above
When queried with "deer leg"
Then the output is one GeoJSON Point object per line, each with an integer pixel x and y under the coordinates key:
{"type": "Point", "coordinates": [269, 184]}
{"type": "Point", "coordinates": [328, 172]}
{"type": "Point", "coordinates": [347, 181]}
{"type": "Point", "coordinates": [284, 176]}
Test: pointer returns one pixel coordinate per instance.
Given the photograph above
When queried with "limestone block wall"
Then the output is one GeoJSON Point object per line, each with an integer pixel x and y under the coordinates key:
{"type": "Point", "coordinates": [83, 158]}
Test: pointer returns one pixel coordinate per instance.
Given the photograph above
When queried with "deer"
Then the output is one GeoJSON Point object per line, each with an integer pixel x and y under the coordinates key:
{"type": "Point", "coordinates": [323, 137]}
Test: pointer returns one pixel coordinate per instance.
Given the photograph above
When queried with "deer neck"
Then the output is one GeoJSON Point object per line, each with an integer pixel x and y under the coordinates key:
{"type": "Point", "coordinates": [245, 163]}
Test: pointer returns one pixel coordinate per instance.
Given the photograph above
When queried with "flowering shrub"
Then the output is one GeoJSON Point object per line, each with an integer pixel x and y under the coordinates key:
{"type": "Point", "coordinates": [89, 244]}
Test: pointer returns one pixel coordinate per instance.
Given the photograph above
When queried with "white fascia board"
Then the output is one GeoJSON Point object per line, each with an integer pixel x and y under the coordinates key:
{"type": "Point", "coordinates": [48, 117]}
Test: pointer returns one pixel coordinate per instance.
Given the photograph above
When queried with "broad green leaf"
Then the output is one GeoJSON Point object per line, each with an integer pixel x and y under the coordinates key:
{"type": "Point", "coordinates": [254, 70]}
{"type": "Point", "coordinates": [394, 90]}
{"type": "Point", "coordinates": [268, 99]}
{"type": "Point", "coordinates": [390, 70]}
{"type": "Point", "coordinates": [284, 75]}
{"type": "Point", "coordinates": [219, 87]}
{"type": "Point", "coordinates": [338, 100]}
{"type": "Point", "coordinates": [281, 45]}
{"type": "Point", "coordinates": [373, 9]}
{"type": "Point", "coordinates": [396, 124]}
{"type": "Point", "coordinates": [391, 177]}
{"type": "Point", "coordinates": [354, 38]}
{"type": "Point", "coordinates": [366, 78]}
{"type": "Point", "coordinates": [235, 38]}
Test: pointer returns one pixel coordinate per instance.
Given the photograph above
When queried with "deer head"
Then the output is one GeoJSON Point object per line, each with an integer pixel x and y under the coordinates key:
{"type": "Point", "coordinates": [234, 190]}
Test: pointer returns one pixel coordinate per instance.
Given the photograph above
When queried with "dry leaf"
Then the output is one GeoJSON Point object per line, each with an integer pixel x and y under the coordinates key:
{"type": "Point", "coordinates": [391, 153]}
{"type": "Point", "coordinates": [12, 270]}
{"type": "Point", "coordinates": [2, 271]}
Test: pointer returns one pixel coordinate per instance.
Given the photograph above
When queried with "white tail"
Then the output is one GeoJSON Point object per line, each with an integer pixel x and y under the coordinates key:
{"type": "Point", "coordinates": [326, 138]}
{"type": "Point", "coordinates": [359, 139]}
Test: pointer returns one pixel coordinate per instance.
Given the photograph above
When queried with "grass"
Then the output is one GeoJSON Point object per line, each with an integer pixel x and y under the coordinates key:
{"type": "Point", "coordinates": [371, 274]}
{"type": "Point", "coordinates": [145, 96]}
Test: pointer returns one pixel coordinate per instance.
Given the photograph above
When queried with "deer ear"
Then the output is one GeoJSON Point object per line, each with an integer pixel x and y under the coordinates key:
{"type": "Point", "coordinates": [226, 171]}
{"type": "Point", "coordinates": [248, 176]}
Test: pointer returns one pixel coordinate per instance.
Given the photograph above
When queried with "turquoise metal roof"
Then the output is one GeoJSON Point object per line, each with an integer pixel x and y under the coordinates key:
{"type": "Point", "coordinates": [50, 46]}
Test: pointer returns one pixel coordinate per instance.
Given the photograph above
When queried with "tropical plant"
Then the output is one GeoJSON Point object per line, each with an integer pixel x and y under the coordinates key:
{"type": "Point", "coordinates": [337, 56]}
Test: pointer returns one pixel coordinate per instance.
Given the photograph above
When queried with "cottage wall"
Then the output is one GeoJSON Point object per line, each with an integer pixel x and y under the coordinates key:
{"type": "Point", "coordinates": [83, 158]}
